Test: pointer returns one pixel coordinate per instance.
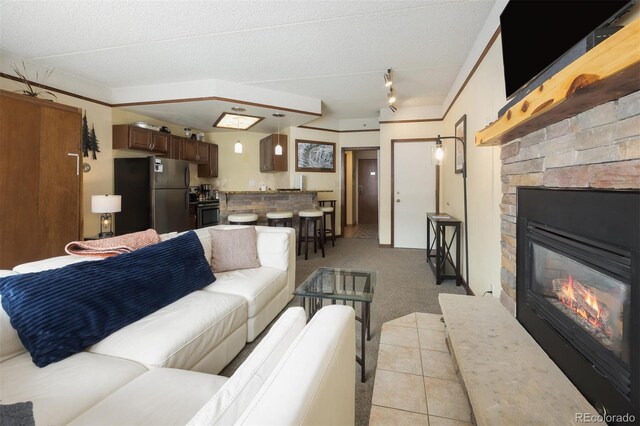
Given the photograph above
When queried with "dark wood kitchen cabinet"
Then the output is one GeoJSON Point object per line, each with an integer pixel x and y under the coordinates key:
{"type": "Point", "coordinates": [42, 210]}
{"type": "Point", "coordinates": [132, 137]}
{"type": "Point", "coordinates": [269, 161]}
{"type": "Point", "coordinates": [176, 147]}
{"type": "Point", "coordinates": [197, 151]}
{"type": "Point", "coordinates": [210, 168]}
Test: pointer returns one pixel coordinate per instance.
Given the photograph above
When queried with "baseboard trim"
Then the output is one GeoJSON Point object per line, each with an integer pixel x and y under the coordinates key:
{"type": "Point", "coordinates": [466, 287]}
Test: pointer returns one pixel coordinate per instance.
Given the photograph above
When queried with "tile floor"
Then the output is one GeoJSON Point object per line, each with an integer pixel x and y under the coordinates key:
{"type": "Point", "coordinates": [416, 381]}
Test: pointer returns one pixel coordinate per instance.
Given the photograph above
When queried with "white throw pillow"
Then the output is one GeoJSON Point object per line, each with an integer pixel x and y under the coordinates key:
{"type": "Point", "coordinates": [234, 397]}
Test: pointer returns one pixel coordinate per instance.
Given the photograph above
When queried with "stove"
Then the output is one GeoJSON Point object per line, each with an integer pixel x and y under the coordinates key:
{"type": "Point", "coordinates": [207, 212]}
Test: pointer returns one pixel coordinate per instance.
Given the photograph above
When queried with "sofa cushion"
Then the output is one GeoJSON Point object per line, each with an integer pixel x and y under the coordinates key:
{"type": "Point", "coordinates": [162, 396]}
{"type": "Point", "coordinates": [60, 312]}
{"type": "Point", "coordinates": [233, 249]}
{"type": "Point", "coordinates": [178, 335]}
{"type": "Point", "coordinates": [258, 286]}
{"type": "Point", "coordinates": [205, 239]}
{"type": "Point", "coordinates": [234, 397]}
{"type": "Point", "coordinates": [273, 247]}
{"type": "Point", "coordinates": [10, 344]}
{"type": "Point", "coordinates": [52, 263]}
{"type": "Point", "coordinates": [63, 390]}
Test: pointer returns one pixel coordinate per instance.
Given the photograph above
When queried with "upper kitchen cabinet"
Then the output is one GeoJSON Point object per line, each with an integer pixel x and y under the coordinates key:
{"type": "Point", "coordinates": [210, 169]}
{"type": "Point", "coordinates": [39, 143]}
{"type": "Point", "coordinates": [269, 162]}
{"type": "Point", "coordinates": [194, 150]}
{"type": "Point", "coordinates": [131, 137]}
{"type": "Point", "coordinates": [176, 147]}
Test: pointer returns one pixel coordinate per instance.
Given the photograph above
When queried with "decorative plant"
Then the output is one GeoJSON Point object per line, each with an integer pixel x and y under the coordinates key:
{"type": "Point", "coordinates": [86, 143]}
{"type": "Point", "coordinates": [89, 139]}
{"type": "Point", "coordinates": [32, 87]}
{"type": "Point", "coordinates": [93, 143]}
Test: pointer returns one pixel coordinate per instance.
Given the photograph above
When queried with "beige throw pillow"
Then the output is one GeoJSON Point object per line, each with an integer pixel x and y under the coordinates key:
{"type": "Point", "coordinates": [233, 249]}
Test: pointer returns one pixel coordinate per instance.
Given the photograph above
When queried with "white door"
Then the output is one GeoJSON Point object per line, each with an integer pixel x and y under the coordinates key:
{"type": "Point", "coordinates": [414, 193]}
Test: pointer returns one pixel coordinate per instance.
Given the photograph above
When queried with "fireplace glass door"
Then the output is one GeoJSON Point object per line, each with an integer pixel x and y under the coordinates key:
{"type": "Point", "coordinates": [593, 301]}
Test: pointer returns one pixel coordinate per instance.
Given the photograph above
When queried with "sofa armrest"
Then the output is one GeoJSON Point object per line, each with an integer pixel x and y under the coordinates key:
{"type": "Point", "coordinates": [314, 383]}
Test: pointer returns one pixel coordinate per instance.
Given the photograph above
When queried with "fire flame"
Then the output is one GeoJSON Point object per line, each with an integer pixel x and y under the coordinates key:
{"type": "Point", "coordinates": [571, 297]}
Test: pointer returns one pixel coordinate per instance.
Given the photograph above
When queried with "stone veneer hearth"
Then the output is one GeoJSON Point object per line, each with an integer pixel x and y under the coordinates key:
{"type": "Point", "coordinates": [599, 148]}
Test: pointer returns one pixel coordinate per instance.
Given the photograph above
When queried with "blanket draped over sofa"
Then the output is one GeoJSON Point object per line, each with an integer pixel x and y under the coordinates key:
{"type": "Point", "coordinates": [60, 312]}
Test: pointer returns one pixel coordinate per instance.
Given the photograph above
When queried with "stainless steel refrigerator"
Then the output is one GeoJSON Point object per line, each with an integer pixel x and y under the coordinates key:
{"type": "Point", "coordinates": [155, 194]}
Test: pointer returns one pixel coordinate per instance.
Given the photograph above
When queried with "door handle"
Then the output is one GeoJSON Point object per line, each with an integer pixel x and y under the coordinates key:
{"type": "Point", "coordinates": [73, 154]}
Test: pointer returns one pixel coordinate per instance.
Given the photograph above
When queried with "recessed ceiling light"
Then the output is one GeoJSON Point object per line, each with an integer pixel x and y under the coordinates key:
{"type": "Point", "coordinates": [234, 121]}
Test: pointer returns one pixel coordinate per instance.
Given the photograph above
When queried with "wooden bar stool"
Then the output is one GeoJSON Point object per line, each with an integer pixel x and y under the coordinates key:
{"type": "Point", "coordinates": [284, 218]}
{"type": "Point", "coordinates": [328, 209]}
{"type": "Point", "coordinates": [243, 219]}
{"type": "Point", "coordinates": [308, 217]}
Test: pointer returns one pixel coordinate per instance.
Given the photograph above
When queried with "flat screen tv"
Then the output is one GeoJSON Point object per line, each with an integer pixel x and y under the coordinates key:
{"type": "Point", "coordinates": [536, 34]}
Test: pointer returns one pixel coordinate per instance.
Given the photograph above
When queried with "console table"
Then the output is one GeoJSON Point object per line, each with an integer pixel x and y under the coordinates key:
{"type": "Point", "coordinates": [439, 255]}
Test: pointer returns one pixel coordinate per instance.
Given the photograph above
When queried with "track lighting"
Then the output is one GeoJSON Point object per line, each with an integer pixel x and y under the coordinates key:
{"type": "Point", "coordinates": [387, 78]}
{"type": "Point", "coordinates": [393, 109]}
{"type": "Point", "coordinates": [390, 96]}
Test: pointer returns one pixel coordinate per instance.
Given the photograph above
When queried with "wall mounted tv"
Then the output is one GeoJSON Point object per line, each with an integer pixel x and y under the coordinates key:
{"type": "Point", "coordinates": [539, 38]}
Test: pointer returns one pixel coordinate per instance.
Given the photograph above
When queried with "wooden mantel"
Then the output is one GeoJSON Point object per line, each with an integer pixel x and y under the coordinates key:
{"type": "Point", "coordinates": [607, 72]}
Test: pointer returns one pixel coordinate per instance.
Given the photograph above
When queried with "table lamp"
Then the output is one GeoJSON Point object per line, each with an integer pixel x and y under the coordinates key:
{"type": "Point", "coordinates": [106, 204]}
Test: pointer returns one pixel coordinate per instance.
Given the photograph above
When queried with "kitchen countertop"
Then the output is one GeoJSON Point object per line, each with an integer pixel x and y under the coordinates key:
{"type": "Point", "coordinates": [292, 191]}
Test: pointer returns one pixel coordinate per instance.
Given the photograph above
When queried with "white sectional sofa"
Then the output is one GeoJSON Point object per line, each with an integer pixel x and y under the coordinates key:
{"type": "Point", "coordinates": [160, 369]}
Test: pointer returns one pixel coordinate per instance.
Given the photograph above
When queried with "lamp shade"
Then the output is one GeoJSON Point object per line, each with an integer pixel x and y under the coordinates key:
{"type": "Point", "coordinates": [106, 203]}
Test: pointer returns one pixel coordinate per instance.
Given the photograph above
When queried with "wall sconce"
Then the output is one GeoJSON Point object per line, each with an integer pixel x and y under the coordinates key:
{"type": "Point", "coordinates": [439, 155]}
{"type": "Point", "coordinates": [387, 78]}
{"type": "Point", "coordinates": [106, 204]}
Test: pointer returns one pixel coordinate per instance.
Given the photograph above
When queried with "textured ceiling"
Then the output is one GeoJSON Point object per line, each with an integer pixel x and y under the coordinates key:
{"type": "Point", "coordinates": [335, 51]}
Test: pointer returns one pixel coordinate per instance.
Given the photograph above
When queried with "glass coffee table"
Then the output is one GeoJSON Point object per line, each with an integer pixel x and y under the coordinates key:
{"type": "Point", "coordinates": [345, 285]}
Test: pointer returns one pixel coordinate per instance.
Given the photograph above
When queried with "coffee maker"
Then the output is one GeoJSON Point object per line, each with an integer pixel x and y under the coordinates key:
{"type": "Point", "coordinates": [205, 190]}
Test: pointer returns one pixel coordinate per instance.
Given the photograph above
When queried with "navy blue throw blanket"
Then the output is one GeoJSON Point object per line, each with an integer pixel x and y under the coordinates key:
{"type": "Point", "coordinates": [60, 312]}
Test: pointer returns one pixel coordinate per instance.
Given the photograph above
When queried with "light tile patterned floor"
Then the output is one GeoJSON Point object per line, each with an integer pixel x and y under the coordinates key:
{"type": "Point", "coordinates": [416, 381]}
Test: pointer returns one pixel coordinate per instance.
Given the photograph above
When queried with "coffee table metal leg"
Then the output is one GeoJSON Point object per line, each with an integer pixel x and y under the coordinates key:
{"type": "Point", "coordinates": [363, 339]}
{"type": "Point", "coordinates": [368, 321]}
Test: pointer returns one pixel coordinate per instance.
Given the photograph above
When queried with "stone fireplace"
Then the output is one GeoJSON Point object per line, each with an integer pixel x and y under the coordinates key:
{"type": "Point", "coordinates": [570, 255]}
{"type": "Point", "coordinates": [599, 148]}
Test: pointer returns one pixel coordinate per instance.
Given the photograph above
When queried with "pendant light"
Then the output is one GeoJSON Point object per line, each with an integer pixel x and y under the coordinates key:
{"type": "Point", "coordinates": [278, 147]}
{"type": "Point", "coordinates": [237, 148]}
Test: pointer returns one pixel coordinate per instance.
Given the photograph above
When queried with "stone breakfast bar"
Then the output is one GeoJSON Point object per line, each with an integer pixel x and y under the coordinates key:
{"type": "Point", "coordinates": [262, 202]}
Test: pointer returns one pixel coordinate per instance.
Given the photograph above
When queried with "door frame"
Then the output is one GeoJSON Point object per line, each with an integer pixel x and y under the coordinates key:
{"type": "Point", "coordinates": [343, 181]}
{"type": "Point", "coordinates": [393, 184]}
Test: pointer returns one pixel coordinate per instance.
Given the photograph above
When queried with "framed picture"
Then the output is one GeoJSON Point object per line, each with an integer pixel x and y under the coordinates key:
{"type": "Point", "coordinates": [314, 156]}
{"type": "Point", "coordinates": [461, 132]}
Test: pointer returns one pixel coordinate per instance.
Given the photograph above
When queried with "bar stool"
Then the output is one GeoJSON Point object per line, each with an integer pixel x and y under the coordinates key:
{"type": "Point", "coordinates": [243, 219]}
{"type": "Point", "coordinates": [328, 208]}
{"type": "Point", "coordinates": [285, 218]}
{"type": "Point", "coordinates": [315, 217]}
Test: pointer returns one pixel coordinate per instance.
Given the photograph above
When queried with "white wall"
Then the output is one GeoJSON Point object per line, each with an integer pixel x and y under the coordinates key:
{"type": "Point", "coordinates": [481, 99]}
